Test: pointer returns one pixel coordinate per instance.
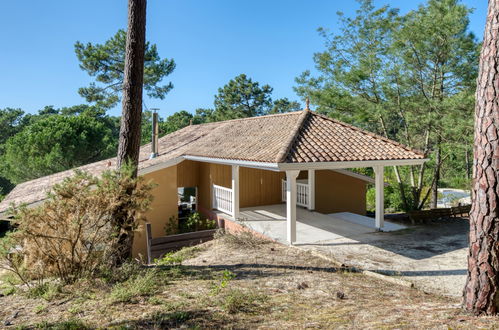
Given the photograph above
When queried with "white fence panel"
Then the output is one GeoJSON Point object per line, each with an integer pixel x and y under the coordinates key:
{"type": "Point", "coordinates": [222, 199]}
{"type": "Point", "coordinates": [302, 194]}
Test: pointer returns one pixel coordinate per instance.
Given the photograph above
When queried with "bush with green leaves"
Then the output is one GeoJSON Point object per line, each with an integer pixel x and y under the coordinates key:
{"type": "Point", "coordinates": [196, 222]}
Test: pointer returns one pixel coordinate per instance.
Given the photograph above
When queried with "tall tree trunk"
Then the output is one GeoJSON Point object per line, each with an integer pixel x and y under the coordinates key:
{"type": "Point", "coordinates": [129, 141]}
{"type": "Point", "coordinates": [481, 294]}
{"type": "Point", "coordinates": [436, 180]}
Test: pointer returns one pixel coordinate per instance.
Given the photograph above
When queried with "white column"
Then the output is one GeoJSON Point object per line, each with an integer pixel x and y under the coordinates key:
{"type": "Point", "coordinates": [311, 190]}
{"type": "Point", "coordinates": [380, 196]}
{"type": "Point", "coordinates": [235, 192]}
{"type": "Point", "coordinates": [291, 205]}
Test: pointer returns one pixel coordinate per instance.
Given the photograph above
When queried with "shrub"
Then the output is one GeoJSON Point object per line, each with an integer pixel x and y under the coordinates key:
{"type": "Point", "coordinates": [46, 290]}
{"type": "Point", "coordinates": [74, 233]}
{"type": "Point", "coordinates": [241, 239]}
{"type": "Point", "coordinates": [196, 222]}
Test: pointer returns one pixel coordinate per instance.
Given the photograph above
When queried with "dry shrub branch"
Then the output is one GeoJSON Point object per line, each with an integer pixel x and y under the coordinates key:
{"type": "Point", "coordinates": [73, 234]}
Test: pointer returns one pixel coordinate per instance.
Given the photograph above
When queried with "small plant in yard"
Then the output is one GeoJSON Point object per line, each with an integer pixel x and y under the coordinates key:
{"type": "Point", "coordinates": [226, 277]}
{"type": "Point", "coordinates": [40, 309]}
{"type": "Point", "coordinates": [170, 259]}
{"type": "Point", "coordinates": [72, 324]}
{"type": "Point", "coordinates": [171, 227]}
{"type": "Point", "coordinates": [45, 290]}
{"type": "Point", "coordinates": [196, 222]}
{"type": "Point", "coordinates": [142, 284]}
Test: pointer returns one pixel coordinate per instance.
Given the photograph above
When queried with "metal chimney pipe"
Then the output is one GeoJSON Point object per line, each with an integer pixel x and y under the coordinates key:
{"type": "Point", "coordinates": [155, 133]}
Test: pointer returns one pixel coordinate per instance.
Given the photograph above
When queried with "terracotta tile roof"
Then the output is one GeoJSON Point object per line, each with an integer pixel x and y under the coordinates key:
{"type": "Point", "coordinates": [322, 139]}
{"type": "Point", "coordinates": [295, 137]}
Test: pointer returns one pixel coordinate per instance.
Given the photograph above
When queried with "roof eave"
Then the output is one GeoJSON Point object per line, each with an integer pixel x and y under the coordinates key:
{"type": "Point", "coordinates": [349, 164]}
{"type": "Point", "coordinates": [238, 162]}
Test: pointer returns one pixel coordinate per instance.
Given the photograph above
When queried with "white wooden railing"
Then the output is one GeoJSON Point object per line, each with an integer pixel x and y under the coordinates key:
{"type": "Point", "coordinates": [222, 199]}
{"type": "Point", "coordinates": [302, 194]}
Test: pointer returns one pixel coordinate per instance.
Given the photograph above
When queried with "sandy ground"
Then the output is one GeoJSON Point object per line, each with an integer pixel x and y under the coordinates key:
{"type": "Point", "coordinates": [432, 256]}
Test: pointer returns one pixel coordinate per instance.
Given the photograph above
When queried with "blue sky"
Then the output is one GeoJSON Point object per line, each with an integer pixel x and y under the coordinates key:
{"type": "Point", "coordinates": [272, 41]}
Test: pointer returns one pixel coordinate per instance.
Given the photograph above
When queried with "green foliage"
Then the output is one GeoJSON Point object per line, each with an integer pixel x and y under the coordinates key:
{"type": "Point", "coordinates": [241, 97]}
{"type": "Point", "coordinates": [11, 123]}
{"type": "Point", "coordinates": [410, 78]}
{"type": "Point", "coordinates": [106, 62]}
{"type": "Point", "coordinates": [46, 290]}
{"type": "Point", "coordinates": [140, 285]}
{"type": "Point", "coordinates": [170, 259]}
{"type": "Point", "coordinates": [72, 324]}
{"type": "Point", "coordinates": [225, 278]}
{"type": "Point", "coordinates": [196, 222]}
{"type": "Point", "coordinates": [54, 144]}
{"type": "Point", "coordinates": [393, 200]}
{"type": "Point", "coordinates": [284, 105]}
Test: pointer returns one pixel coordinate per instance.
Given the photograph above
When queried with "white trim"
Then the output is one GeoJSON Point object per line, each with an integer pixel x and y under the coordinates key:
{"type": "Point", "coordinates": [379, 172]}
{"type": "Point", "coordinates": [355, 175]}
{"type": "Point", "coordinates": [291, 205]}
{"type": "Point", "coordinates": [160, 166]}
{"type": "Point", "coordinates": [362, 177]}
{"type": "Point", "coordinates": [243, 163]}
{"type": "Point", "coordinates": [311, 190]}
{"type": "Point", "coordinates": [348, 164]}
{"type": "Point", "coordinates": [235, 192]}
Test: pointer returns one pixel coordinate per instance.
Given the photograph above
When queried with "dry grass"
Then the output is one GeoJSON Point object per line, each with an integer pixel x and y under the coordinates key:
{"type": "Point", "coordinates": [230, 285]}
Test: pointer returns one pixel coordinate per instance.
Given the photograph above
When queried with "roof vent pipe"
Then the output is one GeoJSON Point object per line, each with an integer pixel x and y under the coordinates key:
{"type": "Point", "coordinates": [154, 137]}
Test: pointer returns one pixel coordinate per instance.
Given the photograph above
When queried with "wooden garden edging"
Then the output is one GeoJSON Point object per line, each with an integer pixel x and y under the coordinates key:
{"type": "Point", "coordinates": [159, 246]}
{"type": "Point", "coordinates": [443, 213]}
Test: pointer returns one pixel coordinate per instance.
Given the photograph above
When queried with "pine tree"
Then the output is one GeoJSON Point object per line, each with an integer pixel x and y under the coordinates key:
{"type": "Point", "coordinates": [481, 293]}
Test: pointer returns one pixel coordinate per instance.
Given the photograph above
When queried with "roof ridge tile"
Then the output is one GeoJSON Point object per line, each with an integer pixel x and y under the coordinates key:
{"type": "Point", "coordinates": [288, 144]}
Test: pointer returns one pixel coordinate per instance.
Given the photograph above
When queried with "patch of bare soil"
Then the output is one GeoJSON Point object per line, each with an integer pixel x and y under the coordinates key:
{"type": "Point", "coordinates": [233, 283]}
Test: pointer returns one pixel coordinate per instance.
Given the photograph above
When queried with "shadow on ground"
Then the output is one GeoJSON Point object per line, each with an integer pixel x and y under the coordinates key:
{"type": "Point", "coordinates": [418, 242]}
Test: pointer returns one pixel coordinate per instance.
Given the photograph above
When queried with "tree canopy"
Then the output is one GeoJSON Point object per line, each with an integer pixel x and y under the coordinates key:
{"type": "Point", "coordinates": [54, 144]}
{"type": "Point", "coordinates": [408, 78]}
{"type": "Point", "coordinates": [106, 63]}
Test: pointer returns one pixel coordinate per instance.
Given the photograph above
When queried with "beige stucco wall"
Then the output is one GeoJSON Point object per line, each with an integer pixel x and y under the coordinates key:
{"type": "Point", "coordinates": [336, 192]}
{"type": "Point", "coordinates": [163, 207]}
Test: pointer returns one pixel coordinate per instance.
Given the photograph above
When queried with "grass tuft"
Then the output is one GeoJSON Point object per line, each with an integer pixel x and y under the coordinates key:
{"type": "Point", "coordinates": [241, 239]}
{"type": "Point", "coordinates": [139, 285]}
{"type": "Point", "coordinates": [239, 301]}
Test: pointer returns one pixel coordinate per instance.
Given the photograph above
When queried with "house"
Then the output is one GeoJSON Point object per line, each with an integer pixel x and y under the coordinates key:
{"type": "Point", "coordinates": [297, 158]}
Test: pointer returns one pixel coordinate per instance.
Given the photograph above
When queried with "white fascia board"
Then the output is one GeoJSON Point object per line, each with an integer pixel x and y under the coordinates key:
{"type": "Point", "coordinates": [362, 177]}
{"type": "Point", "coordinates": [349, 164]}
{"type": "Point", "coordinates": [160, 166]}
{"type": "Point", "coordinates": [243, 163]}
{"type": "Point", "coordinates": [355, 175]}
